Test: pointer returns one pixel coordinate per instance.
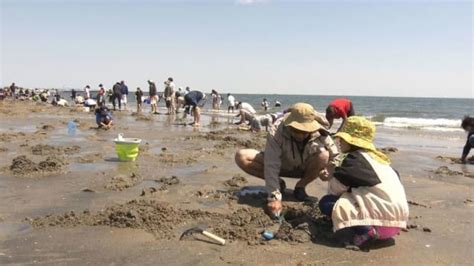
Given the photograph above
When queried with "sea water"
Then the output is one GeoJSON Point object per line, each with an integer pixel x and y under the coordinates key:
{"type": "Point", "coordinates": [434, 114]}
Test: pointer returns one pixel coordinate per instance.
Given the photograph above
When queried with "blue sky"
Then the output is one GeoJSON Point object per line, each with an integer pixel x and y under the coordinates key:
{"type": "Point", "coordinates": [379, 48]}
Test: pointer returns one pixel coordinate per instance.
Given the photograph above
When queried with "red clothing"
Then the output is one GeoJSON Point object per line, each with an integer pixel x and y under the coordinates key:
{"type": "Point", "coordinates": [342, 107]}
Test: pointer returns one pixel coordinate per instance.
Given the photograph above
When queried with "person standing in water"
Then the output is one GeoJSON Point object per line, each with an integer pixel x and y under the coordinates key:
{"type": "Point", "coordinates": [139, 96]}
{"type": "Point", "coordinates": [117, 95]}
{"type": "Point", "coordinates": [265, 104]}
{"type": "Point", "coordinates": [124, 91]}
{"type": "Point", "coordinates": [231, 102]}
{"type": "Point", "coordinates": [153, 96]}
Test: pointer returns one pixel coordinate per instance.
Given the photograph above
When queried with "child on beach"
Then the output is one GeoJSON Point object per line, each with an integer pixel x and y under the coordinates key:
{"type": "Point", "coordinates": [468, 125]}
{"type": "Point", "coordinates": [365, 192]}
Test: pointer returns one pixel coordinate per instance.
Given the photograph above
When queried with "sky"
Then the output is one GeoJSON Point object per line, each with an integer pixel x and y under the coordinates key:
{"type": "Point", "coordinates": [366, 48]}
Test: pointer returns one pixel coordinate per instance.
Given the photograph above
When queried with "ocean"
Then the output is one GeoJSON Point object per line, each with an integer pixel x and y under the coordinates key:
{"type": "Point", "coordinates": [438, 114]}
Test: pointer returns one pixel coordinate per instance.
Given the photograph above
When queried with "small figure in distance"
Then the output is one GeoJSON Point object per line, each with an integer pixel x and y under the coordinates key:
{"type": "Point", "coordinates": [468, 125]}
{"type": "Point", "coordinates": [265, 104]}
{"type": "Point", "coordinates": [339, 108]}
{"type": "Point", "coordinates": [103, 118]}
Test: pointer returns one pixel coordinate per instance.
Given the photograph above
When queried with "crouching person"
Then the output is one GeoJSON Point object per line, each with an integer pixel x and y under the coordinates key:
{"type": "Point", "coordinates": [103, 118]}
{"type": "Point", "coordinates": [297, 146]}
{"type": "Point", "coordinates": [365, 192]}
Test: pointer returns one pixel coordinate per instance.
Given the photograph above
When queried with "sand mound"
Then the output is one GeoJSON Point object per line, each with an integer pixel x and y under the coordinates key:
{"type": "Point", "coordinates": [89, 158]}
{"type": "Point", "coordinates": [6, 137]}
{"type": "Point", "coordinates": [155, 217]}
{"type": "Point", "coordinates": [121, 182]}
{"type": "Point", "coordinates": [444, 170]}
{"type": "Point", "coordinates": [172, 159]}
{"type": "Point", "coordinates": [47, 127]}
{"type": "Point", "coordinates": [236, 181]}
{"type": "Point", "coordinates": [42, 149]}
{"type": "Point", "coordinates": [388, 150]}
{"type": "Point", "coordinates": [21, 165]}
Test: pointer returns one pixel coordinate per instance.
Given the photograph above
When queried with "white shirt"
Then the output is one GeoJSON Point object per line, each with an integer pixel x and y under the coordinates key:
{"type": "Point", "coordinates": [87, 92]}
{"type": "Point", "coordinates": [247, 107]}
{"type": "Point", "coordinates": [231, 100]}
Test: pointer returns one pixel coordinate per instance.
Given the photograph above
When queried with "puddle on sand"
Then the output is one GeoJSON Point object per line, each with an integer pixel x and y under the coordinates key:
{"type": "Point", "coordinates": [14, 127]}
{"type": "Point", "coordinates": [9, 229]}
{"type": "Point", "coordinates": [89, 167]}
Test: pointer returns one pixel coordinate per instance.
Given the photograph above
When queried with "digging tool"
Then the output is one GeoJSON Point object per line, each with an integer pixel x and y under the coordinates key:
{"type": "Point", "coordinates": [203, 232]}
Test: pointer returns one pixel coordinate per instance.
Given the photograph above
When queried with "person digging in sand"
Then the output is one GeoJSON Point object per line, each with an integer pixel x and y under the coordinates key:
{"type": "Point", "coordinates": [194, 100]}
{"type": "Point", "coordinates": [297, 146]}
{"type": "Point", "coordinates": [339, 108]}
{"type": "Point", "coordinates": [103, 118]}
{"type": "Point", "coordinates": [468, 125]}
{"type": "Point", "coordinates": [366, 197]}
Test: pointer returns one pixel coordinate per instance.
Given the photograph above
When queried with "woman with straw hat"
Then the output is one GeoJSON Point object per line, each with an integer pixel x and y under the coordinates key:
{"type": "Point", "coordinates": [366, 196]}
{"type": "Point", "coordinates": [297, 146]}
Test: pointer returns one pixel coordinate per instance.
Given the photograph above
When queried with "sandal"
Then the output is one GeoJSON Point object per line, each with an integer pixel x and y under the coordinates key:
{"type": "Point", "coordinates": [300, 194]}
{"type": "Point", "coordinates": [360, 240]}
{"type": "Point", "coordinates": [282, 186]}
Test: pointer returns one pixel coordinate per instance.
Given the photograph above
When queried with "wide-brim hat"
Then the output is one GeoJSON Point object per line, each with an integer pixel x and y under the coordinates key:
{"type": "Point", "coordinates": [302, 117]}
{"type": "Point", "coordinates": [358, 131]}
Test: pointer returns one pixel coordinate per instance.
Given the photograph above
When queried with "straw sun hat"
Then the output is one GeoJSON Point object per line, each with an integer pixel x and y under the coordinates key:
{"type": "Point", "coordinates": [301, 117]}
{"type": "Point", "coordinates": [360, 132]}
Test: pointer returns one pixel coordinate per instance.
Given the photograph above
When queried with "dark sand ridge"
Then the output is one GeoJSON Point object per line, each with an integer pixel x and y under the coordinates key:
{"type": "Point", "coordinates": [202, 162]}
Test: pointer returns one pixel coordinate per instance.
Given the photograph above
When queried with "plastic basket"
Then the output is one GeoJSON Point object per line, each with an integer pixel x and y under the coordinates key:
{"type": "Point", "coordinates": [127, 148]}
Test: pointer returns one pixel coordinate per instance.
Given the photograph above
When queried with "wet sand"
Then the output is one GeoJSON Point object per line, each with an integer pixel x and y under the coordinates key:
{"type": "Point", "coordinates": [68, 200]}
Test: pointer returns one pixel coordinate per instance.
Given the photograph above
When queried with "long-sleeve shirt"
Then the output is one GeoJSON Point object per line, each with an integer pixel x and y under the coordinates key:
{"type": "Point", "coordinates": [281, 154]}
{"type": "Point", "coordinates": [467, 146]}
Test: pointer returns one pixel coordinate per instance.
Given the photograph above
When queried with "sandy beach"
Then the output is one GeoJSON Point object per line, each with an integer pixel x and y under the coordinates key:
{"type": "Point", "coordinates": [67, 199]}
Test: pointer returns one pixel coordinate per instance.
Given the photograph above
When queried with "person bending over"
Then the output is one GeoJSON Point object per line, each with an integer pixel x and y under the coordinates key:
{"type": "Point", "coordinates": [366, 197]}
{"type": "Point", "coordinates": [468, 125]}
{"type": "Point", "coordinates": [339, 108]}
{"type": "Point", "coordinates": [297, 146]}
{"type": "Point", "coordinates": [194, 100]}
{"type": "Point", "coordinates": [103, 118]}
{"type": "Point", "coordinates": [246, 112]}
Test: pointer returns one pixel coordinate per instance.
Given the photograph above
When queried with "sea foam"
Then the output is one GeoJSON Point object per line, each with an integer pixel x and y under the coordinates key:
{"type": "Point", "coordinates": [438, 124]}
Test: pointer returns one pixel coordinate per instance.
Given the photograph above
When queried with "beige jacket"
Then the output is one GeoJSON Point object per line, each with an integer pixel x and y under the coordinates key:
{"type": "Point", "coordinates": [282, 154]}
{"type": "Point", "coordinates": [371, 194]}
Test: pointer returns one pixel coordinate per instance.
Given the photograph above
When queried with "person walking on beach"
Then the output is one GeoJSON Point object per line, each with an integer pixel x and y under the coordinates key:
{"type": "Point", "coordinates": [339, 108]}
{"type": "Point", "coordinates": [366, 197]}
{"type": "Point", "coordinates": [231, 102]}
{"type": "Point", "coordinates": [246, 112]}
{"type": "Point", "coordinates": [297, 146]}
{"type": "Point", "coordinates": [139, 96]}
{"type": "Point", "coordinates": [265, 104]}
{"type": "Point", "coordinates": [169, 96]}
{"type": "Point", "coordinates": [124, 92]}
{"type": "Point", "coordinates": [73, 95]}
{"type": "Point", "coordinates": [87, 92]}
{"type": "Point", "coordinates": [13, 90]}
{"type": "Point", "coordinates": [101, 96]}
{"type": "Point", "coordinates": [153, 96]}
{"type": "Point", "coordinates": [194, 100]}
{"type": "Point", "coordinates": [117, 95]}
{"type": "Point", "coordinates": [215, 100]}
{"type": "Point", "coordinates": [468, 125]}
